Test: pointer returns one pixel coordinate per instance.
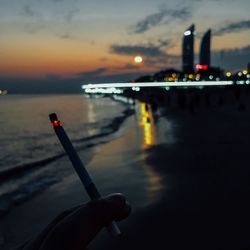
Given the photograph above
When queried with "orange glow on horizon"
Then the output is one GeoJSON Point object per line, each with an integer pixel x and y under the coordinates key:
{"type": "Point", "coordinates": [38, 58]}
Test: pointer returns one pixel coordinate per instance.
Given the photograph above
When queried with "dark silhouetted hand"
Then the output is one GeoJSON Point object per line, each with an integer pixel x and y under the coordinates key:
{"type": "Point", "coordinates": [74, 229]}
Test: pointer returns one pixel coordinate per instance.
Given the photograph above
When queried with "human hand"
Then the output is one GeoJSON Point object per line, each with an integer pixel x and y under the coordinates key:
{"type": "Point", "coordinates": [74, 229]}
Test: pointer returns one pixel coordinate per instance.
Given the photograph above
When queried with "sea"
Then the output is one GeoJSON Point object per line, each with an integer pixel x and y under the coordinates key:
{"type": "Point", "coordinates": [28, 144]}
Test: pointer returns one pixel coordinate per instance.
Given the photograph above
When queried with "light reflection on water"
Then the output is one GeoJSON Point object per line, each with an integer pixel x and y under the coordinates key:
{"type": "Point", "coordinates": [132, 174]}
{"type": "Point", "coordinates": [155, 185]}
{"type": "Point", "coordinates": [26, 134]}
{"type": "Point", "coordinates": [122, 166]}
{"type": "Point", "coordinates": [147, 122]}
{"type": "Point", "coordinates": [91, 114]}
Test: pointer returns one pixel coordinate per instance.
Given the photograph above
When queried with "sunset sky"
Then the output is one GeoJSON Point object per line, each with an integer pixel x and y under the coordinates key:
{"type": "Point", "coordinates": [95, 40]}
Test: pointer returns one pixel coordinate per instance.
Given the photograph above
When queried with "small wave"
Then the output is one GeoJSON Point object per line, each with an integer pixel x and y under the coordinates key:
{"type": "Point", "coordinates": [22, 169]}
{"type": "Point", "coordinates": [111, 128]}
{"type": "Point", "coordinates": [27, 190]}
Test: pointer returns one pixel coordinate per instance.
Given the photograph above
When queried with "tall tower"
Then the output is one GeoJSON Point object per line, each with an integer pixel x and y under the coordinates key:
{"type": "Point", "coordinates": [188, 50]}
{"type": "Point", "coordinates": [205, 54]}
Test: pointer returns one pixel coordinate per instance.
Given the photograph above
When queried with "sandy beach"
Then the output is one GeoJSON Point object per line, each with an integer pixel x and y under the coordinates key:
{"type": "Point", "coordinates": [192, 185]}
{"type": "Point", "coordinates": [205, 203]}
{"type": "Point", "coordinates": [123, 157]}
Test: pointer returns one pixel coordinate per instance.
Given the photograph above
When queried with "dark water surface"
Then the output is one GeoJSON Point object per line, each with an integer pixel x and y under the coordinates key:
{"type": "Point", "coordinates": [28, 143]}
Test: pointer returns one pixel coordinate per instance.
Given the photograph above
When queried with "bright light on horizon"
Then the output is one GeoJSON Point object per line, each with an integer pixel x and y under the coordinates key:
{"type": "Point", "coordinates": [157, 84]}
{"type": "Point", "coordinates": [138, 59]}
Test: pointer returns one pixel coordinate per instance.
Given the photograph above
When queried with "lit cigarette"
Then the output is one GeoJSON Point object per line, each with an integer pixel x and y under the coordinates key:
{"type": "Point", "coordinates": [79, 167]}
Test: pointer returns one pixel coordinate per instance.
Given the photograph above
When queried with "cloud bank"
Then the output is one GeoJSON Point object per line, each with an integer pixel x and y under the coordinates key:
{"type": "Point", "coordinates": [163, 16]}
{"type": "Point", "coordinates": [232, 28]}
{"type": "Point", "coordinates": [94, 73]}
{"type": "Point", "coordinates": [229, 59]}
{"type": "Point", "coordinates": [131, 50]}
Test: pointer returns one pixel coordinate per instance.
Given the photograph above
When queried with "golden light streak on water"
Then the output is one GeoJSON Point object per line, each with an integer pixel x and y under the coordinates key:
{"type": "Point", "coordinates": [147, 123]}
{"type": "Point", "coordinates": [149, 139]}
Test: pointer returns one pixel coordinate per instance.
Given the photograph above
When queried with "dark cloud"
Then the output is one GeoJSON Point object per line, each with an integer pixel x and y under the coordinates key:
{"type": "Point", "coordinates": [163, 16]}
{"type": "Point", "coordinates": [155, 54]}
{"type": "Point", "coordinates": [164, 43]}
{"type": "Point", "coordinates": [53, 77]}
{"type": "Point", "coordinates": [66, 35]}
{"type": "Point", "coordinates": [151, 49]}
{"type": "Point", "coordinates": [33, 19]}
{"type": "Point", "coordinates": [168, 61]}
{"type": "Point", "coordinates": [71, 14]}
{"type": "Point", "coordinates": [233, 27]}
{"type": "Point", "coordinates": [33, 28]}
{"type": "Point", "coordinates": [94, 73]}
{"type": "Point", "coordinates": [144, 50]}
{"type": "Point", "coordinates": [229, 59]}
{"type": "Point", "coordinates": [28, 11]}
{"type": "Point", "coordinates": [128, 66]}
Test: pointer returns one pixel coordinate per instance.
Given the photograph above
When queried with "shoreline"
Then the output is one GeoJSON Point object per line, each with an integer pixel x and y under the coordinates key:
{"type": "Point", "coordinates": [32, 188]}
{"type": "Point", "coordinates": [112, 158]}
{"type": "Point", "coordinates": [205, 199]}
{"type": "Point", "coordinates": [193, 191]}
{"type": "Point", "coordinates": [19, 210]}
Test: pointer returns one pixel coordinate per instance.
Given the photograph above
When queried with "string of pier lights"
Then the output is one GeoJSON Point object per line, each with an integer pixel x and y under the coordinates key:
{"type": "Point", "coordinates": [116, 88]}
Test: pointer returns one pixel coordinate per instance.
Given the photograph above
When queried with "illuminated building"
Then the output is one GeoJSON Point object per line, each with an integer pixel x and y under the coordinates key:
{"type": "Point", "coordinates": [205, 54]}
{"type": "Point", "coordinates": [188, 50]}
{"type": "Point", "coordinates": [201, 67]}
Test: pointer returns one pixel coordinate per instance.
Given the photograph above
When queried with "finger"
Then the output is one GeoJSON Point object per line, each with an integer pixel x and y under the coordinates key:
{"type": "Point", "coordinates": [79, 228]}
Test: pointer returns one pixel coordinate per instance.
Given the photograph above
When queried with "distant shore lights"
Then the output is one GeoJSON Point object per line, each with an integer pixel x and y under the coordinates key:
{"type": "Point", "coordinates": [107, 87]}
{"type": "Point", "coordinates": [3, 92]}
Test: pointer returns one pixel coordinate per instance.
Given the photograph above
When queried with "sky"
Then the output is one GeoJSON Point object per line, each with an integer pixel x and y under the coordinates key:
{"type": "Point", "coordinates": [59, 42]}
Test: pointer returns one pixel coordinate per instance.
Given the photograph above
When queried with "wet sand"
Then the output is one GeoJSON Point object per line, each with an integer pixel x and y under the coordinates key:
{"type": "Point", "coordinates": [191, 192]}
{"type": "Point", "coordinates": [205, 201]}
{"type": "Point", "coordinates": [118, 166]}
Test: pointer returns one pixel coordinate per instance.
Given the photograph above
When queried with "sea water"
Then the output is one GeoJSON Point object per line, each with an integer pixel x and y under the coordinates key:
{"type": "Point", "coordinates": [28, 143]}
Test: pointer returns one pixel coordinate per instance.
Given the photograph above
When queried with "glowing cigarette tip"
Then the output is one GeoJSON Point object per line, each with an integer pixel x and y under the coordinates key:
{"type": "Point", "coordinates": [54, 121]}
